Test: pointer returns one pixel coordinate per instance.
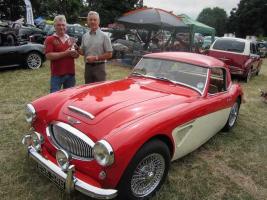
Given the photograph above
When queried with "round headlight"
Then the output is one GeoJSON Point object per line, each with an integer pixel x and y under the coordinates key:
{"type": "Point", "coordinates": [36, 139]}
{"type": "Point", "coordinates": [63, 159]}
{"type": "Point", "coordinates": [103, 153]}
{"type": "Point", "coordinates": [30, 113]}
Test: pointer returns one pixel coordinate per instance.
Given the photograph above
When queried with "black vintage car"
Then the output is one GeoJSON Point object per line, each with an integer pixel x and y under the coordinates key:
{"type": "Point", "coordinates": [30, 55]}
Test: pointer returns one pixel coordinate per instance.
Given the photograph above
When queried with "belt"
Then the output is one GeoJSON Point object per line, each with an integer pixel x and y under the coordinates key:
{"type": "Point", "coordinates": [95, 63]}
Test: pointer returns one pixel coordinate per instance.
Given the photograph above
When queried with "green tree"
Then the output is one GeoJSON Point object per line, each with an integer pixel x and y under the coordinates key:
{"type": "Point", "coordinates": [110, 10]}
{"type": "Point", "coordinates": [72, 9]}
{"type": "Point", "coordinates": [50, 8]}
{"type": "Point", "coordinates": [216, 18]}
{"type": "Point", "coordinates": [12, 9]}
{"type": "Point", "coordinates": [249, 18]}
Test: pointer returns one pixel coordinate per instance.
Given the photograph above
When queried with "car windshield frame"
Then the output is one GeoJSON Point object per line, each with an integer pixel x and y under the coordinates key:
{"type": "Point", "coordinates": [199, 71]}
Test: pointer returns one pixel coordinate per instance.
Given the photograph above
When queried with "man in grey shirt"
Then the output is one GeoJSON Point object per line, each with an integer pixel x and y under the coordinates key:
{"type": "Point", "coordinates": [96, 48]}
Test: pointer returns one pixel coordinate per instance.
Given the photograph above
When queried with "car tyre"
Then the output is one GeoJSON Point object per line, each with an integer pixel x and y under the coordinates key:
{"type": "Point", "coordinates": [232, 116]}
{"type": "Point", "coordinates": [146, 172]}
{"type": "Point", "coordinates": [248, 76]}
{"type": "Point", "coordinates": [10, 39]}
{"type": "Point", "coordinates": [34, 60]}
{"type": "Point", "coordinates": [258, 71]}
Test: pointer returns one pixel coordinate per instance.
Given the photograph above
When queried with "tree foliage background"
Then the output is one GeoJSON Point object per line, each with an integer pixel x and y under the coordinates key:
{"type": "Point", "coordinates": [216, 18]}
{"type": "Point", "coordinates": [11, 9]}
{"type": "Point", "coordinates": [72, 9]}
{"type": "Point", "coordinates": [249, 18]}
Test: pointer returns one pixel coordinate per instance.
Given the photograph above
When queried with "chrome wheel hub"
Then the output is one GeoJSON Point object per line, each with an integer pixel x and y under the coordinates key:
{"type": "Point", "coordinates": [147, 175]}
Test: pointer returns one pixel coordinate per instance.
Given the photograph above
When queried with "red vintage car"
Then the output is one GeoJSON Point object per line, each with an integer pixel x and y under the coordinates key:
{"type": "Point", "coordinates": [117, 138]}
{"type": "Point", "coordinates": [242, 56]}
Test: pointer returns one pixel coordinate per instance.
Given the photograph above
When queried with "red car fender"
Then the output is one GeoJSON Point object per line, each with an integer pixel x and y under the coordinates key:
{"type": "Point", "coordinates": [134, 136]}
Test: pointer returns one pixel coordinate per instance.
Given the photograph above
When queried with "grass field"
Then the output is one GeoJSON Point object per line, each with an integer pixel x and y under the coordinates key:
{"type": "Point", "coordinates": [229, 166]}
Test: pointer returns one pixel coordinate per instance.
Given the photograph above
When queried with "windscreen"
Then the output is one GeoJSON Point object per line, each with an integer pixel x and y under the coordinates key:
{"type": "Point", "coordinates": [177, 72]}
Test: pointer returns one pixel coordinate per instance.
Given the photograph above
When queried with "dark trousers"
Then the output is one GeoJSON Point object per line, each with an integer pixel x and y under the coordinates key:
{"type": "Point", "coordinates": [94, 72]}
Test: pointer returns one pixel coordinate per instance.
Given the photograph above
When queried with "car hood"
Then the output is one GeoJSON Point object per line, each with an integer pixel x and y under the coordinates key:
{"type": "Point", "coordinates": [112, 104]}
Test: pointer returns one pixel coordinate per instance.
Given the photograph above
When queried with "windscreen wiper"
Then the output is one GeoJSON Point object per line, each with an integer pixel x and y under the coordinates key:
{"type": "Point", "coordinates": [137, 74]}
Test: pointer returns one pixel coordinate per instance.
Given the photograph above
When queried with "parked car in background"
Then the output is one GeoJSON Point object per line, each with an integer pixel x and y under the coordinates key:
{"type": "Point", "coordinates": [119, 137]}
{"type": "Point", "coordinates": [126, 44]}
{"type": "Point", "coordinates": [208, 41]}
{"type": "Point", "coordinates": [30, 55]}
{"type": "Point", "coordinates": [77, 31]}
{"type": "Point", "coordinates": [242, 56]}
{"type": "Point", "coordinates": [198, 38]}
{"type": "Point", "coordinates": [33, 34]}
{"type": "Point", "coordinates": [48, 29]}
{"type": "Point", "coordinates": [262, 46]}
{"type": "Point", "coordinates": [73, 30]}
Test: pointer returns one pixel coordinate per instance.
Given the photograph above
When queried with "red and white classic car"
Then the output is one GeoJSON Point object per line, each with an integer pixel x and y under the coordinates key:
{"type": "Point", "coordinates": [242, 56]}
{"type": "Point", "coordinates": [117, 138]}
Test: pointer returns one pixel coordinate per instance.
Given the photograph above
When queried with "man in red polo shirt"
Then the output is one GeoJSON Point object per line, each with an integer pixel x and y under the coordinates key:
{"type": "Point", "coordinates": [58, 49]}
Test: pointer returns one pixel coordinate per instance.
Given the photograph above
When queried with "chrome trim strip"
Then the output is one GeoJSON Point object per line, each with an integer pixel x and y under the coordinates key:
{"type": "Point", "coordinates": [79, 185]}
{"type": "Point", "coordinates": [80, 111]}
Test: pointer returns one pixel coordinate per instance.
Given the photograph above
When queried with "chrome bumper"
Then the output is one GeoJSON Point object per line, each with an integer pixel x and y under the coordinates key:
{"type": "Point", "coordinates": [70, 181]}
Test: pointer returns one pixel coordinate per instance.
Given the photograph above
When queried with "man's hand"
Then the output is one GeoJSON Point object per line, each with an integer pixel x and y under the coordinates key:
{"type": "Point", "coordinates": [60, 55]}
{"type": "Point", "coordinates": [91, 59]}
{"type": "Point", "coordinates": [72, 53]}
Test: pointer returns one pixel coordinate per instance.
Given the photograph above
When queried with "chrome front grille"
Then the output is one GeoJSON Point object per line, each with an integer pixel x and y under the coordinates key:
{"type": "Point", "coordinates": [71, 140]}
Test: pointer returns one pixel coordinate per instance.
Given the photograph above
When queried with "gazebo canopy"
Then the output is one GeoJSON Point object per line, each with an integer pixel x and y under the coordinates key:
{"type": "Point", "coordinates": [197, 26]}
{"type": "Point", "coordinates": [153, 19]}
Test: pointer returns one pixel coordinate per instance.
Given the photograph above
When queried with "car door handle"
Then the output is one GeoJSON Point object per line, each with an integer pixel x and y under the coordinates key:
{"type": "Point", "coordinates": [11, 52]}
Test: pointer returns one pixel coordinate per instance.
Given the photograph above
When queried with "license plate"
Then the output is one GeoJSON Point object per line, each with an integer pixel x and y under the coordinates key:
{"type": "Point", "coordinates": [53, 177]}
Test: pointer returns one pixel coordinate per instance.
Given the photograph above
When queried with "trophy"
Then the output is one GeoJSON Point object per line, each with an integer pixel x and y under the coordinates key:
{"type": "Point", "coordinates": [72, 43]}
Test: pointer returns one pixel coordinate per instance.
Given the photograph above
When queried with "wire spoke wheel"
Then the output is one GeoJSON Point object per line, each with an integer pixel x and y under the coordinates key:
{"type": "Point", "coordinates": [34, 61]}
{"type": "Point", "coordinates": [233, 114]}
{"type": "Point", "coordinates": [147, 175]}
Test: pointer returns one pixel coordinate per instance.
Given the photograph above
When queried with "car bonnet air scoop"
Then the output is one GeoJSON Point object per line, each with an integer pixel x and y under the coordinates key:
{"type": "Point", "coordinates": [81, 112]}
